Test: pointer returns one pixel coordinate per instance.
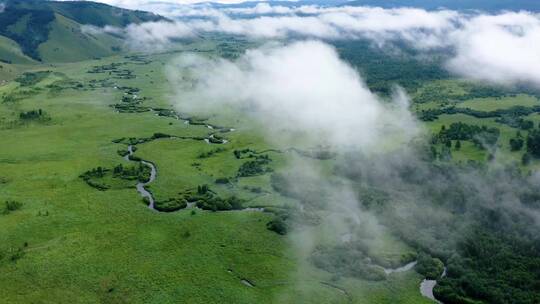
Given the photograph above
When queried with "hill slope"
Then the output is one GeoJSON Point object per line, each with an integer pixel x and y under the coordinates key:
{"type": "Point", "coordinates": [51, 31]}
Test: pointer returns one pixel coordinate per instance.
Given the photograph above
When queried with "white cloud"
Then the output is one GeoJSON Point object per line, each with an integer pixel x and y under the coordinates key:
{"type": "Point", "coordinates": [2, 7]}
{"type": "Point", "coordinates": [149, 36]}
{"type": "Point", "coordinates": [303, 86]}
{"type": "Point", "coordinates": [154, 35]}
{"type": "Point", "coordinates": [502, 49]}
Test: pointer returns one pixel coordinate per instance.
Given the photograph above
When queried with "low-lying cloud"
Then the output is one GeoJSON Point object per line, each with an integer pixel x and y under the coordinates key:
{"type": "Point", "coordinates": [501, 48]}
{"type": "Point", "coordinates": [304, 86]}
{"type": "Point", "coordinates": [382, 177]}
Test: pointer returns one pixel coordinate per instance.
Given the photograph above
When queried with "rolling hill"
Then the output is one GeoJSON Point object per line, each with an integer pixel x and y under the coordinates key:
{"type": "Point", "coordinates": [51, 31]}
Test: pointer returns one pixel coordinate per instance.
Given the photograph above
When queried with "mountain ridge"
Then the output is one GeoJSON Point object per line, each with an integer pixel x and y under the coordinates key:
{"type": "Point", "coordinates": [34, 27]}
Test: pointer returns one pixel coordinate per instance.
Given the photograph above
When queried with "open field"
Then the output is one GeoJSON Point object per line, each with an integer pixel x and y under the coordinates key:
{"type": "Point", "coordinates": [72, 243]}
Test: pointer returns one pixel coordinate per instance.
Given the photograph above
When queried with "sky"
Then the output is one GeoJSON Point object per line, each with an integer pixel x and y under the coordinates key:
{"type": "Point", "coordinates": [137, 3]}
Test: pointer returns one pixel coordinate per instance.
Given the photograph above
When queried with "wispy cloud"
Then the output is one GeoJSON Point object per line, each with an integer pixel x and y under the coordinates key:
{"type": "Point", "coordinates": [500, 48]}
{"type": "Point", "coordinates": [315, 88]}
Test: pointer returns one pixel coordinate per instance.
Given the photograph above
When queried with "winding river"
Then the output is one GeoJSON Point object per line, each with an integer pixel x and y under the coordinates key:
{"type": "Point", "coordinates": [426, 287]}
{"type": "Point", "coordinates": [140, 185]}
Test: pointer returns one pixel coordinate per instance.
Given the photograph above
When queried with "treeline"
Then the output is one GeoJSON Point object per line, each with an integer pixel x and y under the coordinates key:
{"type": "Point", "coordinates": [516, 111]}
{"type": "Point", "coordinates": [471, 91]}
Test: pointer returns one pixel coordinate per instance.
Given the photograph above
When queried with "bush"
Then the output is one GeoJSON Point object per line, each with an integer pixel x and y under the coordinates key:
{"type": "Point", "coordinates": [222, 180]}
{"type": "Point", "coordinates": [516, 144]}
{"type": "Point", "coordinates": [277, 225]}
{"type": "Point", "coordinates": [170, 205]}
{"type": "Point", "coordinates": [11, 206]}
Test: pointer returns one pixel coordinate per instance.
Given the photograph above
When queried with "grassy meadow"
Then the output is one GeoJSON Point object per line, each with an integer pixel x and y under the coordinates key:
{"type": "Point", "coordinates": [72, 243]}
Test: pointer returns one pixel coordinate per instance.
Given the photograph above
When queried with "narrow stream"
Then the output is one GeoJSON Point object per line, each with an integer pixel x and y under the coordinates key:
{"type": "Point", "coordinates": [426, 287]}
{"type": "Point", "coordinates": [140, 185]}
{"type": "Point", "coordinates": [403, 268]}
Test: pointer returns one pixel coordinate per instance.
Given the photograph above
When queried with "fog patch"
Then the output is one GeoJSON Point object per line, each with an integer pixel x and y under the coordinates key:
{"type": "Point", "coordinates": [503, 49]}
{"type": "Point", "coordinates": [303, 86]}
{"type": "Point", "coordinates": [148, 36]}
{"type": "Point", "coordinates": [499, 48]}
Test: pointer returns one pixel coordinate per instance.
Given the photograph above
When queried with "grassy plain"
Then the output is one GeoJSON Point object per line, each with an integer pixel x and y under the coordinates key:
{"type": "Point", "coordinates": [70, 243]}
{"type": "Point", "coordinates": [450, 93]}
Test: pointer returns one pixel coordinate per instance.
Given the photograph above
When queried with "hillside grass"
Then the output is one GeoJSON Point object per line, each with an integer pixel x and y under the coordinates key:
{"type": "Point", "coordinates": [10, 52]}
{"type": "Point", "coordinates": [67, 43]}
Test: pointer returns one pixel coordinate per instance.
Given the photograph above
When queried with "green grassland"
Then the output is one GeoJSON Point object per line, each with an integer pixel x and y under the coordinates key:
{"type": "Point", "coordinates": [71, 243]}
{"type": "Point", "coordinates": [458, 93]}
{"type": "Point", "coordinates": [50, 31]}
